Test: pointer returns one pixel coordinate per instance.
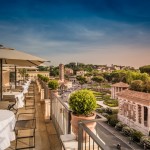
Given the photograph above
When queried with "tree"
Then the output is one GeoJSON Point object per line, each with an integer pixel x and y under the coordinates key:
{"type": "Point", "coordinates": [145, 69]}
{"type": "Point", "coordinates": [98, 79]}
{"type": "Point", "coordinates": [137, 85]}
{"type": "Point", "coordinates": [54, 71]}
{"type": "Point", "coordinates": [146, 87]}
{"type": "Point", "coordinates": [43, 68]}
{"type": "Point", "coordinates": [82, 80]}
{"type": "Point", "coordinates": [88, 74]}
{"type": "Point", "coordinates": [22, 72]}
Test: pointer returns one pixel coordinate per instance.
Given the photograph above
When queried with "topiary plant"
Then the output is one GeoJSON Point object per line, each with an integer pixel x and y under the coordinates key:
{"type": "Point", "coordinates": [53, 84]}
{"type": "Point", "coordinates": [45, 79]}
{"type": "Point", "coordinates": [82, 102]}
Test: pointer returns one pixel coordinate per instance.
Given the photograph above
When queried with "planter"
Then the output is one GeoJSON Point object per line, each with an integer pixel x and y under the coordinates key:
{"type": "Point", "coordinates": [55, 92]}
{"type": "Point", "coordinates": [74, 122]}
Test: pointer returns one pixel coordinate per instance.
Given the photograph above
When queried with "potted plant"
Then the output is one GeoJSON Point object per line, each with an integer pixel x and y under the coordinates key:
{"type": "Point", "coordinates": [82, 103]}
{"type": "Point", "coordinates": [53, 86]}
{"type": "Point", "coordinates": [46, 79]}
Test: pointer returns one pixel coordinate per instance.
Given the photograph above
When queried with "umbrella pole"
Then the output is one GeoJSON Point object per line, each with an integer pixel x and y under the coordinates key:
{"type": "Point", "coordinates": [15, 76]}
{"type": "Point", "coordinates": [1, 81]}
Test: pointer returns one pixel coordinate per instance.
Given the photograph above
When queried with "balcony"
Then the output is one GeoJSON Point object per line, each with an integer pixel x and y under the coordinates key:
{"type": "Point", "coordinates": [54, 130]}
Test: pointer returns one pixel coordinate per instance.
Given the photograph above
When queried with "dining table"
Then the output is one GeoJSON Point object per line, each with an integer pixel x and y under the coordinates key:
{"type": "Point", "coordinates": [19, 96]}
{"type": "Point", "coordinates": [7, 125]}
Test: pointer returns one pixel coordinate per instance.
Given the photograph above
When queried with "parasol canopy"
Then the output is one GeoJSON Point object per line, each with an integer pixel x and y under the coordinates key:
{"type": "Point", "coordinates": [12, 56]}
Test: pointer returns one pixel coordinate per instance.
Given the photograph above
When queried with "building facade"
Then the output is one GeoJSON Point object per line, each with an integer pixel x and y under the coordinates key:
{"type": "Point", "coordinates": [73, 79]}
{"type": "Point", "coordinates": [33, 74]}
{"type": "Point", "coordinates": [80, 73]}
{"type": "Point", "coordinates": [118, 87]}
{"type": "Point", "coordinates": [68, 71]}
{"type": "Point", "coordinates": [134, 110]}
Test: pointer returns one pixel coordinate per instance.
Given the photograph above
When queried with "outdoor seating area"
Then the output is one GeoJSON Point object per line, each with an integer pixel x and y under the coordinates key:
{"type": "Point", "coordinates": [26, 127]}
{"type": "Point", "coordinates": [10, 119]}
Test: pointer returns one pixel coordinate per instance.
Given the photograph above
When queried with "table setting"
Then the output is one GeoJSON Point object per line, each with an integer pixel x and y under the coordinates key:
{"type": "Point", "coordinates": [7, 124]}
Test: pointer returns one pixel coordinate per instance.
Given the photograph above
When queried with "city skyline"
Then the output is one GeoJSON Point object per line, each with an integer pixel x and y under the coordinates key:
{"type": "Point", "coordinates": [91, 32]}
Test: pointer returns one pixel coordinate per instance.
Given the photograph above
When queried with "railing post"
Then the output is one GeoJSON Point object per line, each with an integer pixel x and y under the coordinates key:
{"type": "Point", "coordinates": [80, 136]}
{"type": "Point", "coordinates": [42, 94]}
{"type": "Point", "coordinates": [47, 92]}
{"type": "Point", "coordinates": [69, 122]}
{"type": "Point", "coordinates": [50, 97]}
{"type": "Point", "coordinates": [1, 80]}
{"type": "Point", "coordinates": [47, 109]}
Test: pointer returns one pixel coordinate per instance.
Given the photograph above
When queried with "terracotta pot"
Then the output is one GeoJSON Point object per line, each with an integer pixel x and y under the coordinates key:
{"type": "Point", "coordinates": [53, 91]}
{"type": "Point", "coordinates": [75, 119]}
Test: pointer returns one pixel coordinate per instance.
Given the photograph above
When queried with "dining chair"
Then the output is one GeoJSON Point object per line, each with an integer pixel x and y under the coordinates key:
{"type": "Point", "coordinates": [11, 101]}
{"type": "Point", "coordinates": [4, 105]}
{"type": "Point", "coordinates": [30, 97]}
{"type": "Point", "coordinates": [25, 129]}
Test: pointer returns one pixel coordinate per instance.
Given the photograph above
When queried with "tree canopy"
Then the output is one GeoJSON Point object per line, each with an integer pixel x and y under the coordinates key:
{"type": "Point", "coordinates": [82, 80]}
{"type": "Point", "coordinates": [98, 79]}
{"type": "Point", "coordinates": [126, 76]}
{"type": "Point", "coordinates": [145, 69]}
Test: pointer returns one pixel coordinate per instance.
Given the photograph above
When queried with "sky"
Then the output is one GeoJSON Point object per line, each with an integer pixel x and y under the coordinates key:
{"type": "Point", "coordinates": [87, 31]}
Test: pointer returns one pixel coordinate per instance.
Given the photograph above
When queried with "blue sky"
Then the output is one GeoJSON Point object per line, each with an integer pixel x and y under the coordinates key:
{"type": "Point", "coordinates": [88, 31]}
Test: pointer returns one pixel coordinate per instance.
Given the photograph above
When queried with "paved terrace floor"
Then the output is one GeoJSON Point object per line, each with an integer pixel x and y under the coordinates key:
{"type": "Point", "coordinates": [46, 136]}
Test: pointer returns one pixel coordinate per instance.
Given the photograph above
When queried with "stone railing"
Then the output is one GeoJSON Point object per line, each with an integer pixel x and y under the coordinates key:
{"type": "Point", "coordinates": [60, 114]}
{"type": "Point", "coordinates": [55, 108]}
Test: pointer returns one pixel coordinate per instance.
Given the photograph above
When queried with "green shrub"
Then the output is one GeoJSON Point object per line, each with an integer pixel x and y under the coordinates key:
{"type": "Point", "coordinates": [39, 76]}
{"type": "Point", "coordinates": [136, 136]}
{"type": "Point", "coordinates": [127, 131]}
{"type": "Point", "coordinates": [106, 97]}
{"type": "Point", "coordinates": [82, 102]}
{"type": "Point", "coordinates": [111, 102]}
{"type": "Point", "coordinates": [114, 111]}
{"type": "Point", "coordinates": [112, 120]}
{"type": "Point", "coordinates": [108, 110]}
{"type": "Point", "coordinates": [53, 84]}
{"type": "Point", "coordinates": [106, 115]}
{"type": "Point", "coordinates": [145, 140]}
{"type": "Point", "coordinates": [100, 110]}
{"type": "Point", "coordinates": [119, 126]}
{"type": "Point", "coordinates": [45, 79]}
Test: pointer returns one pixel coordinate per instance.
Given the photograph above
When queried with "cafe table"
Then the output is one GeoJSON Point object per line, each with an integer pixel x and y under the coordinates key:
{"type": "Point", "coordinates": [19, 96]}
{"type": "Point", "coordinates": [7, 124]}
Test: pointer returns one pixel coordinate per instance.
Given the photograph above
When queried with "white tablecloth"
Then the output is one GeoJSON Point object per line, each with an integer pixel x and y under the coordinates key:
{"type": "Point", "coordinates": [7, 124]}
{"type": "Point", "coordinates": [19, 96]}
{"type": "Point", "coordinates": [26, 86]}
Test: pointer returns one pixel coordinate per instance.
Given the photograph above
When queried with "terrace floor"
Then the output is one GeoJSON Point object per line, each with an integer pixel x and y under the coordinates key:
{"type": "Point", "coordinates": [46, 136]}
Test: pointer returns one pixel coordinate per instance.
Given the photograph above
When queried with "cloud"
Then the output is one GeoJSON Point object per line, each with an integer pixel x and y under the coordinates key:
{"type": "Point", "coordinates": [95, 31]}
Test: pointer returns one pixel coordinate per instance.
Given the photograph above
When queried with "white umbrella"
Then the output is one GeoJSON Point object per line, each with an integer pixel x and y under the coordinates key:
{"type": "Point", "coordinates": [12, 56]}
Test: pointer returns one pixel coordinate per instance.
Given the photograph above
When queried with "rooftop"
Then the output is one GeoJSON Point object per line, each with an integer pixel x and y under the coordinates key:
{"type": "Point", "coordinates": [120, 84]}
{"type": "Point", "coordinates": [138, 97]}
